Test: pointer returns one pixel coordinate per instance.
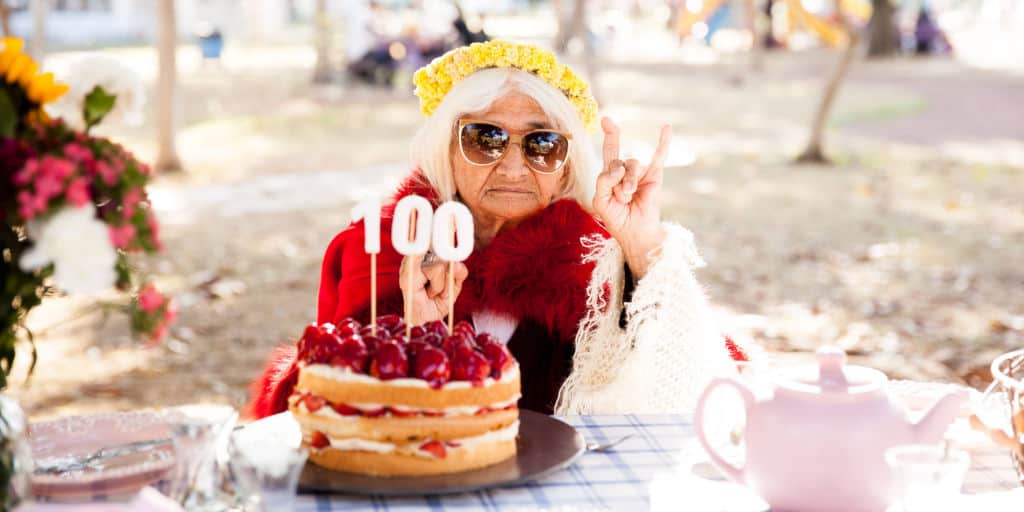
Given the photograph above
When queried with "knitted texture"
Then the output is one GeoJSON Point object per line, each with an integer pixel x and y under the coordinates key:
{"type": "Point", "coordinates": [671, 346]}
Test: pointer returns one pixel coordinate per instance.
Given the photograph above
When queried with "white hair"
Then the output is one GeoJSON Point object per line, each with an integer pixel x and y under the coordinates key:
{"type": "Point", "coordinates": [475, 94]}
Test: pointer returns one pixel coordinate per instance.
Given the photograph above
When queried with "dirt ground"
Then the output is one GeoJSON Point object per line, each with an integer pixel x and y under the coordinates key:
{"type": "Point", "coordinates": [906, 253]}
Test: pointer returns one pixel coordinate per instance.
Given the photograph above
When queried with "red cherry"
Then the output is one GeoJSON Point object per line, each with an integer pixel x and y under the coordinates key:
{"type": "Point", "coordinates": [319, 440]}
{"type": "Point", "coordinates": [433, 338]}
{"type": "Point", "coordinates": [367, 330]}
{"type": "Point", "coordinates": [371, 343]}
{"type": "Point", "coordinates": [351, 354]}
{"type": "Point", "coordinates": [418, 331]}
{"type": "Point", "coordinates": [390, 362]}
{"type": "Point", "coordinates": [453, 342]}
{"type": "Point", "coordinates": [432, 365]}
{"type": "Point", "coordinates": [415, 346]}
{"type": "Point", "coordinates": [499, 357]}
{"type": "Point", "coordinates": [392, 323]}
{"type": "Point", "coordinates": [320, 347]}
{"type": "Point", "coordinates": [468, 364]}
{"type": "Point", "coordinates": [399, 338]}
{"type": "Point", "coordinates": [486, 337]}
{"type": "Point", "coordinates": [347, 326]}
{"type": "Point", "coordinates": [435, 447]}
{"type": "Point", "coordinates": [437, 327]}
{"type": "Point", "coordinates": [465, 328]}
{"type": "Point", "coordinates": [346, 410]}
{"type": "Point", "coordinates": [313, 402]}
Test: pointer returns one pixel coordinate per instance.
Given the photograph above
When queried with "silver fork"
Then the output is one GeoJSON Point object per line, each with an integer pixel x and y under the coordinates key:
{"type": "Point", "coordinates": [604, 447]}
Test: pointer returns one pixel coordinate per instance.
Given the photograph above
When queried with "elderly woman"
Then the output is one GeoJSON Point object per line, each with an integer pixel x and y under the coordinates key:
{"type": "Point", "coordinates": [572, 267]}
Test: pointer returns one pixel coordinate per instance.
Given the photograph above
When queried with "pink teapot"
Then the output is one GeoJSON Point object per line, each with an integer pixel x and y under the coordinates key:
{"type": "Point", "coordinates": [818, 442]}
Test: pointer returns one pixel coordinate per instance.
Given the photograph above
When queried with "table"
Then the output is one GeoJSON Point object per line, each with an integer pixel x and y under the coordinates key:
{"type": "Point", "coordinates": [662, 467]}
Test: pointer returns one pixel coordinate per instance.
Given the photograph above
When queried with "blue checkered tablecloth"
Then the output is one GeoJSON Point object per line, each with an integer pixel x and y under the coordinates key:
{"type": "Point", "coordinates": [661, 467]}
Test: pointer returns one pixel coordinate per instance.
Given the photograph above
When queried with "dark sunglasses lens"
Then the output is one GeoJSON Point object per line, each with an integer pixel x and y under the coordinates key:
{"type": "Point", "coordinates": [546, 151]}
{"type": "Point", "coordinates": [483, 143]}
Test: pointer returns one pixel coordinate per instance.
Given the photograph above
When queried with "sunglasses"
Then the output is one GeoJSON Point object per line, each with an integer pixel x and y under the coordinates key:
{"type": "Point", "coordinates": [484, 143]}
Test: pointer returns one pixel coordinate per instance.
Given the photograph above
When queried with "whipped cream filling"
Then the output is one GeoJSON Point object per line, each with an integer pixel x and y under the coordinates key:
{"type": "Point", "coordinates": [346, 375]}
{"type": "Point", "coordinates": [354, 444]}
{"type": "Point", "coordinates": [457, 410]}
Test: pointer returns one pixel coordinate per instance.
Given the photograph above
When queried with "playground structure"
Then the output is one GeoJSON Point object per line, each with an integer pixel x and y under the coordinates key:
{"type": "Point", "coordinates": [701, 18]}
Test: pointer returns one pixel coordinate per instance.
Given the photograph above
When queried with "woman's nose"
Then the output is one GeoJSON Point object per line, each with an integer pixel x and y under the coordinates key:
{"type": "Point", "coordinates": [514, 163]}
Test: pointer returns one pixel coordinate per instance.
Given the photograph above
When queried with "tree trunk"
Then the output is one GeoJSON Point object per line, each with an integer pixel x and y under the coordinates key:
{"type": "Point", "coordinates": [883, 35]}
{"type": "Point", "coordinates": [570, 24]}
{"type": "Point", "coordinates": [167, 153]}
{"type": "Point", "coordinates": [5, 19]}
{"type": "Point", "coordinates": [39, 8]}
{"type": "Point", "coordinates": [813, 153]}
{"type": "Point", "coordinates": [321, 41]}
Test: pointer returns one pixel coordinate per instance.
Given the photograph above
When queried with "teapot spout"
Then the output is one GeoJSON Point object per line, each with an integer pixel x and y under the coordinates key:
{"type": "Point", "coordinates": [931, 427]}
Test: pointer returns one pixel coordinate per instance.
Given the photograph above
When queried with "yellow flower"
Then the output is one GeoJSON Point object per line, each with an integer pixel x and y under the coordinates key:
{"type": "Point", "coordinates": [19, 70]}
{"type": "Point", "coordinates": [437, 78]}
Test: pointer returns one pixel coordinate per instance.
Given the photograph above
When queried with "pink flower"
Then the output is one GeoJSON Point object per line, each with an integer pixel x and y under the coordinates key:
{"type": "Point", "coordinates": [154, 230]}
{"type": "Point", "coordinates": [121, 236]}
{"type": "Point", "coordinates": [107, 174]}
{"type": "Point", "coordinates": [58, 168]}
{"type": "Point", "coordinates": [24, 176]}
{"type": "Point", "coordinates": [150, 299]}
{"type": "Point", "coordinates": [131, 199]}
{"type": "Point", "coordinates": [78, 192]}
{"type": "Point", "coordinates": [170, 314]}
{"type": "Point", "coordinates": [29, 205]}
{"type": "Point", "coordinates": [48, 185]}
{"type": "Point", "coordinates": [77, 152]}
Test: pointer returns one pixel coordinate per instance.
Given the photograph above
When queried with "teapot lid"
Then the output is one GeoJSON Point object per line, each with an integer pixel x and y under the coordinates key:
{"type": "Point", "coordinates": [833, 376]}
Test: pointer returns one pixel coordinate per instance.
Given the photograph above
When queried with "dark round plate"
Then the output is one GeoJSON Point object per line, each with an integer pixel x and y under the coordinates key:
{"type": "Point", "coordinates": [545, 445]}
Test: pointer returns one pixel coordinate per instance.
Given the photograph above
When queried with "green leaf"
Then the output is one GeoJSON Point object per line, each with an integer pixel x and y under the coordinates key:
{"type": "Point", "coordinates": [98, 103]}
{"type": "Point", "coordinates": [8, 115]}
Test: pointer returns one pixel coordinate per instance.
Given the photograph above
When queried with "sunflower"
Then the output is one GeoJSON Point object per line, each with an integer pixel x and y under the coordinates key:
{"type": "Point", "coordinates": [26, 90]}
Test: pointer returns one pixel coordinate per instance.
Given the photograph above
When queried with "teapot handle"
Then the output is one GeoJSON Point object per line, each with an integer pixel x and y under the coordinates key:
{"type": "Point", "coordinates": [737, 474]}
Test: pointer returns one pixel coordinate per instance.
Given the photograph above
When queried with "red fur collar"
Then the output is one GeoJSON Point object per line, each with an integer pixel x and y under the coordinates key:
{"type": "Point", "coordinates": [534, 271]}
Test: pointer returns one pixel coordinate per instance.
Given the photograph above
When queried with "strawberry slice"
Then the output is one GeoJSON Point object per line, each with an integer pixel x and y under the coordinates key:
{"type": "Point", "coordinates": [398, 413]}
{"type": "Point", "coordinates": [346, 410]}
{"type": "Point", "coordinates": [319, 440]}
{"type": "Point", "coordinates": [375, 413]}
{"type": "Point", "coordinates": [435, 447]}
{"type": "Point", "coordinates": [314, 403]}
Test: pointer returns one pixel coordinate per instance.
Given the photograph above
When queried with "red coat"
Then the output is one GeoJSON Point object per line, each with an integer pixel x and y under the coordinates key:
{"type": "Point", "coordinates": [532, 272]}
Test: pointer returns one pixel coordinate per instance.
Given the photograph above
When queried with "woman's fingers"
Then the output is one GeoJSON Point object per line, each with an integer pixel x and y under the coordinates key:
{"type": "Point", "coordinates": [608, 180]}
{"type": "Point", "coordinates": [630, 179]}
{"type": "Point", "coordinates": [436, 274]}
{"type": "Point", "coordinates": [610, 148]}
{"type": "Point", "coordinates": [411, 266]}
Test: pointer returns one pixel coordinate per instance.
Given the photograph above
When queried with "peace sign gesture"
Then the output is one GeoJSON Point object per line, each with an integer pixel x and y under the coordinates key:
{"type": "Point", "coordinates": [627, 197]}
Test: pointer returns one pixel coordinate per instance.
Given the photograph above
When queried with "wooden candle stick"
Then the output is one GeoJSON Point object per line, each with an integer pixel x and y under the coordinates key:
{"type": "Point", "coordinates": [453, 242]}
{"type": "Point", "coordinates": [410, 234]}
{"type": "Point", "coordinates": [369, 212]}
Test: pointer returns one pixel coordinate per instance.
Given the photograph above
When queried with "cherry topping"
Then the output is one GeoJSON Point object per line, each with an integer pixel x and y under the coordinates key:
{"type": "Point", "coordinates": [432, 365]}
{"type": "Point", "coordinates": [498, 356]}
{"type": "Point", "coordinates": [390, 362]}
{"type": "Point", "coordinates": [453, 342]}
{"type": "Point", "coordinates": [415, 346]}
{"type": "Point", "coordinates": [351, 354]}
{"type": "Point", "coordinates": [437, 327]}
{"type": "Point", "coordinates": [347, 326]}
{"type": "Point", "coordinates": [466, 328]}
{"type": "Point", "coordinates": [468, 364]}
{"type": "Point", "coordinates": [417, 331]}
{"type": "Point", "coordinates": [435, 447]}
{"type": "Point", "coordinates": [319, 440]}
{"type": "Point", "coordinates": [318, 346]}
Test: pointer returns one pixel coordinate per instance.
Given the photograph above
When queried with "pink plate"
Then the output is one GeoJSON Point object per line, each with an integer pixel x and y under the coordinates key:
{"type": "Point", "coordinates": [83, 435]}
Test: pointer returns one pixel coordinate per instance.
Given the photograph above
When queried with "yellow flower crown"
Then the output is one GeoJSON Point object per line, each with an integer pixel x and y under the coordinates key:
{"type": "Point", "coordinates": [434, 80]}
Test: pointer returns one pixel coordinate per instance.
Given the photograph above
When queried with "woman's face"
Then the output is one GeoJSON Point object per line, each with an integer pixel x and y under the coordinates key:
{"type": "Point", "coordinates": [508, 189]}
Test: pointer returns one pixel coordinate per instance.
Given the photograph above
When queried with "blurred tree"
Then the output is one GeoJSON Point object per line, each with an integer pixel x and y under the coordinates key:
{"type": "Point", "coordinates": [813, 153]}
{"type": "Point", "coordinates": [167, 153]}
{"type": "Point", "coordinates": [883, 35]}
{"type": "Point", "coordinates": [322, 40]}
{"type": "Point", "coordinates": [571, 23]}
{"type": "Point", "coordinates": [39, 9]}
{"type": "Point", "coordinates": [5, 18]}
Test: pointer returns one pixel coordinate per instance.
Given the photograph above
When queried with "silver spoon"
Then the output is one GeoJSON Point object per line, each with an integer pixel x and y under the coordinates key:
{"type": "Point", "coordinates": [604, 447]}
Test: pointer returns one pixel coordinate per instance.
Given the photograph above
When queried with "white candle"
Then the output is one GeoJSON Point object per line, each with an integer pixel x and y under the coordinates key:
{"type": "Point", "coordinates": [451, 215]}
{"type": "Point", "coordinates": [369, 212]}
{"type": "Point", "coordinates": [419, 242]}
